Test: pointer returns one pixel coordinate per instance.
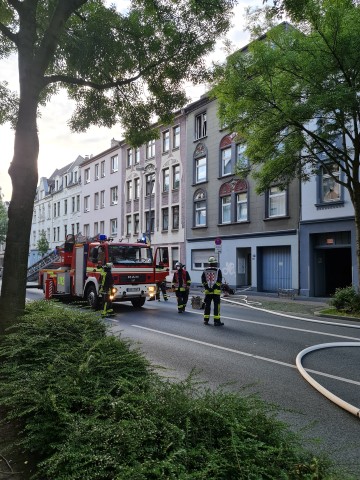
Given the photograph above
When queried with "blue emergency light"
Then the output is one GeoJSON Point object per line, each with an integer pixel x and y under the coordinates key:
{"type": "Point", "coordinates": [102, 237]}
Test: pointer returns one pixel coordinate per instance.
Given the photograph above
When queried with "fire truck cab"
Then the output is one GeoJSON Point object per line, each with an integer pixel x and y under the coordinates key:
{"type": "Point", "coordinates": [134, 268]}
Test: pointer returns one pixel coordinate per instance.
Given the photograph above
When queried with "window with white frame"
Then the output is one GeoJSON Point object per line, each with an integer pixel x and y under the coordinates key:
{"type": "Point", "coordinates": [200, 210]}
{"type": "Point", "coordinates": [96, 201]}
{"type": "Point", "coordinates": [165, 219]}
{"type": "Point", "coordinates": [150, 221]}
{"type": "Point", "coordinates": [102, 169]}
{"type": "Point", "coordinates": [242, 160]}
{"type": "Point", "coordinates": [276, 202]}
{"type": "Point", "coordinates": [136, 223]}
{"type": "Point", "coordinates": [137, 156]}
{"type": "Point", "coordinates": [242, 207]}
{"type": "Point", "coordinates": [128, 224]}
{"type": "Point", "coordinates": [330, 188]}
{"type": "Point", "coordinates": [176, 177]}
{"type": "Point", "coordinates": [200, 126]}
{"type": "Point", "coordinates": [87, 203]}
{"type": "Point", "coordinates": [75, 177]}
{"type": "Point", "coordinates": [113, 226]}
{"type": "Point", "coordinates": [226, 161]}
{"type": "Point", "coordinates": [87, 175]}
{"type": "Point", "coordinates": [166, 180]}
{"type": "Point", "coordinates": [136, 188]}
{"type": "Point", "coordinates": [129, 157]}
{"type": "Point", "coordinates": [200, 169]}
{"type": "Point", "coordinates": [226, 209]}
{"type": "Point", "coordinates": [113, 195]}
{"type": "Point", "coordinates": [78, 203]}
{"type": "Point", "coordinates": [73, 204]}
{"type": "Point", "coordinates": [87, 230]}
{"type": "Point", "coordinates": [65, 206]}
{"type": "Point", "coordinates": [129, 190]}
{"type": "Point", "coordinates": [78, 227]}
{"type": "Point", "coordinates": [175, 217]}
{"type": "Point", "coordinates": [114, 164]}
{"type": "Point", "coordinates": [150, 149]}
{"type": "Point", "coordinates": [199, 259]}
{"type": "Point", "coordinates": [102, 199]}
{"type": "Point", "coordinates": [149, 184]}
{"type": "Point", "coordinates": [96, 176]}
{"type": "Point", "coordinates": [96, 228]}
{"type": "Point", "coordinates": [102, 226]}
{"type": "Point", "coordinates": [176, 137]}
{"type": "Point", "coordinates": [166, 141]}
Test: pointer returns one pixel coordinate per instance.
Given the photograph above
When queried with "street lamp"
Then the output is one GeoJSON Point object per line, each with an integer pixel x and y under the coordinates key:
{"type": "Point", "coordinates": [149, 171]}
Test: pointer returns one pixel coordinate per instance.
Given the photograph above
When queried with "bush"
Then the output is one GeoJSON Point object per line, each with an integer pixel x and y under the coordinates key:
{"type": "Point", "coordinates": [92, 408]}
{"type": "Point", "coordinates": [346, 300]}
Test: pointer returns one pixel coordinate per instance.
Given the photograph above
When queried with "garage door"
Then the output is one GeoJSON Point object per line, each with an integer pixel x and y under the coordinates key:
{"type": "Point", "coordinates": [276, 268]}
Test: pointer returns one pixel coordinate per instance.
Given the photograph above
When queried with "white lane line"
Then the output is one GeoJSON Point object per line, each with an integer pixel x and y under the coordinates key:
{"type": "Point", "coordinates": [287, 315]}
{"type": "Point", "coordinates": [286, 328]}
{"type": "Point", "coordinates": [238, 352]}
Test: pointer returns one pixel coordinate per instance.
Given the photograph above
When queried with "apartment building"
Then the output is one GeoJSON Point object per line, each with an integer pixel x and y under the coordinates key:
{"type": "Point", "coordinates": [254, 236]}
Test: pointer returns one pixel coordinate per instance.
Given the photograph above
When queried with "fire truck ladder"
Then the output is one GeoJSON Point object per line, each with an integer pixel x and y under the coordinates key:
{"type": "Point", "coordinates": [44, 262]}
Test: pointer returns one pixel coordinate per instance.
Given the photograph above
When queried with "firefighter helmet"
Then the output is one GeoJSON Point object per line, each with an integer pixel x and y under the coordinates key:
{"type": "Point", "coordinates": [178, 265]}
{"type": "Point", "coordinates": [212, 260]}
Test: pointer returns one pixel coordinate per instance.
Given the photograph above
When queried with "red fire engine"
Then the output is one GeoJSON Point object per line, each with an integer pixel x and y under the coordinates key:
{"type": "Point", "coordinates": [78, 273]}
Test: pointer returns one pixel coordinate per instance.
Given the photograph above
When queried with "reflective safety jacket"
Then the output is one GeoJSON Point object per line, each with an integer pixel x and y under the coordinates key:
{"type": "Point", "coordinates": [211, 279]}
{"type": "Point", "coordinates": [181, 280]}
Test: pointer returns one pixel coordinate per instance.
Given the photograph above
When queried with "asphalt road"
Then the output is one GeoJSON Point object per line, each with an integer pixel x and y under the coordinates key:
{"type": "Point", "coordinates": [255, 351]}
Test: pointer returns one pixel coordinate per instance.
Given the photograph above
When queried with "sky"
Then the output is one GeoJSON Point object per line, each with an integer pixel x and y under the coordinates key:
{"type": "Point", "coordinates": [58, 145]}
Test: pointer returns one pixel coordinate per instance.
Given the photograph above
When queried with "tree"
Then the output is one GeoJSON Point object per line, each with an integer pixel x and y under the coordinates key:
{"type": "Point", "coordinates": [42, 244]}
{"type": "Point", "coordinates": [118, 67]}
{"type": "Point", "coordinates": [293, 97]}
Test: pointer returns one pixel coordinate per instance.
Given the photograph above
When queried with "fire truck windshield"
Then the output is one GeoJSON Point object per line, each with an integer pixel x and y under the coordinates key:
{"type": "Point", "coordinates": [130, 254]}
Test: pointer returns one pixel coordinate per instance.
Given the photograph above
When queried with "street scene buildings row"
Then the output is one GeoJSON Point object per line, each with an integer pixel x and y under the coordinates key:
{"type": "Point", "coordinates": [182, 191]}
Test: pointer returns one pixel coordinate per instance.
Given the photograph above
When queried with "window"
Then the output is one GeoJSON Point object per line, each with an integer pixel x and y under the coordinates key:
{"type": "Point", "coordinates": [96, 201]}
{"type": "Point", "coordinates": [166, 180]}
{"type": "Point", "coordinates": [113, 226]}
{"type": "Point", "coordinates": [136, 188]}
{"type": "Point", "coordinates": [330, 188]}
{"type": "Point", "coordinates": [96, 228]}
{"type": "Point", "coordinates": [137, 156]}
{"type": "Point", "coordinates": [166, 141]}
{"type": "Point", "coordinates": [77, 227]}
{"type": "Point", "coordinates": [241, 160]}
{"type": "Point", "coordinates": [102, 226]}
{"type": "Point", "coordinates": [136, 223]}
{"type": "Point", "coordinates": [200, 169]}
{"type": "Point", "coordinates": [102, 169]}
{"type": "Point", "coordinates": [102, 199]}
{"type": "Point", "coordinates": [128, 158]}
{"type": "Point", "coordinates": [58, 207]}
{"type": "Point", "coordinates": [150, 217]}
{"type": "Point", "coordinates": [96, 171]}
{"type": "Point", "coordinates": [87, 175]}
{"type": "Point", "coordinates": [128, 225]}
{"type": "Point", "coordinates": [54, 234]}
{"type": "Point", "coordinates": [176, 177]}
{"type": "Point", "coordinates": [113, 196]}
{"type": "Point", "coordinates": [149, 184]}
{"type": "Point", "coordinates": [276, 202]}
{"type": "Point", "coordinates": [114, 164]}
{"type": "Point", "coordinates": [87, 203]}
{"type": "Point", "coordinates": [241, 207]}
{"type": "Point", "coordinates": [226, 209]}
{"type": "Point", "coordinates": [199, 259]}
{"type": "Point", "coordinates": [128, 191]}
{"type": "Point", "coordinates": [174, 256]}
{"type": "Point", "coordinates": [176, 137]}
{"type": "Point", "coordinates": [175, 217]}
{"type": "Point", "coordinates": [150, 149]}
{"type": "Point", "coordinates": [200, 126]}
{"type": "Point", "coordinates": [226, 161]}
{"type": "Point", "coordinates": [75, 177]}
{"type": "Point", "coordinates": [87, 230]}
{"type": "Point", "coordinates": [65, 207]}
{"type": "Point", "coordinates": [72, 204]}
{"type": "Point", "coordinates": [165, 219]}
{"type": "Point", "coordinates": [54, 209]}
{"type": "Point", "coordinates": [78, 203]}
{"type": "Point", "coordinates": [73, 228]}
{"type": "Point", "coordinates": [200, 209]}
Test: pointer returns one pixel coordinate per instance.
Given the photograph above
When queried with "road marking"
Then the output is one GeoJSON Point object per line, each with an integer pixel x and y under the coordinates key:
{"type": "Point", "coordinates": [285, 327]}
{"type": "Point", "coordinates": [245, 354]}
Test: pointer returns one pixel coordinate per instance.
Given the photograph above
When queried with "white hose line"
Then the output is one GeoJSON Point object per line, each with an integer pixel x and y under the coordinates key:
{"type": "Point", "coordinates": [333, 398]}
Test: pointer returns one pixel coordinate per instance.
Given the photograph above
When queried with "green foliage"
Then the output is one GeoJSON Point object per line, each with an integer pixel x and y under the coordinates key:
{"type": "Point", "coordinates": [42, 244]}
{"type": "Point", "coordinates": [3, 220]}
{"type": "Point", "coordinates": [92, 408]}
{"type": "Point", "coordinates": [346, 300]}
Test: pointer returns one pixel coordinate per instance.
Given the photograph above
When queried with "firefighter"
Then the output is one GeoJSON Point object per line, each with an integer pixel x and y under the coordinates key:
{"type": "Point", "coordinates": [181, 284]}
{"type": "Point", "coordinates": [161, 288]}
{"type": "Point", "coordinates": [106, 286]}
{"type": "Point", "coordinates": [211, 279]}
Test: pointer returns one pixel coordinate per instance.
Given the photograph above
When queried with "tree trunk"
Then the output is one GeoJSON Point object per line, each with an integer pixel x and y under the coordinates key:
{"type": "Point", "coordinates": [24, 176]}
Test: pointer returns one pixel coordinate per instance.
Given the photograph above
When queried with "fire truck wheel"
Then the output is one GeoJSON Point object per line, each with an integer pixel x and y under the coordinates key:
{"type": "Point", "coordinates": [92, 297]}
{"type": "Point", "coordinates": [138, 302]}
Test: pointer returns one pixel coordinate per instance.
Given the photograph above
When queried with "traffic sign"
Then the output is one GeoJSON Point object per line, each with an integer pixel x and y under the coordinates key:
{"type": "Point", "coordinates": [218, 241]}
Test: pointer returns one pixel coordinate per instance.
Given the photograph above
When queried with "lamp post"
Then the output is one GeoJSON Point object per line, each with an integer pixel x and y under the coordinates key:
{"type": "Point", "coordinates": [149, 170]}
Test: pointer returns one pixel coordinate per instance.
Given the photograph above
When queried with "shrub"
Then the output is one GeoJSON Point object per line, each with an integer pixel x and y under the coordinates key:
{"type": "Point", "coordinates": [346, 300]}
{"type": "Point", "coordinates": [92, 408]}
